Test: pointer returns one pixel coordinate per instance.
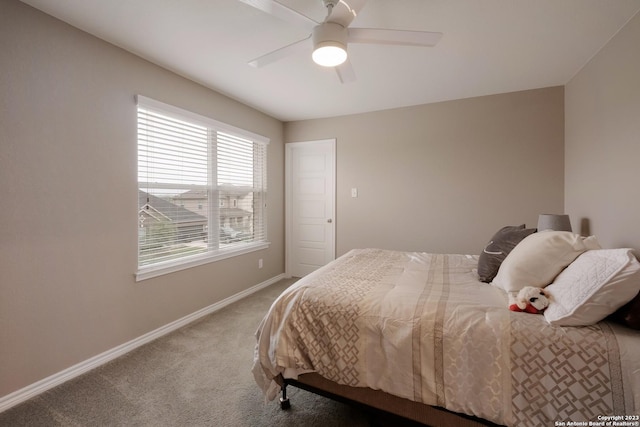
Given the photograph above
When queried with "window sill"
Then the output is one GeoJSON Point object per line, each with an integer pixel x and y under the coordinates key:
{"type": "Point", "coordinates": [149, 272]}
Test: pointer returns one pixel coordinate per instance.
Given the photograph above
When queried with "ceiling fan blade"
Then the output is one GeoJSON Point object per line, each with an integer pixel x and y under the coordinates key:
{"type": "Point", "coordinates": [393, 37]}
{"type": "Point", "coordinates": [345, 72]}
{"type": "Point", "coordinates": [283, 12]}
{"type": "Point", "coordinates": [299, 46]}
{"type": "Point", "coordinates": [345, 11]}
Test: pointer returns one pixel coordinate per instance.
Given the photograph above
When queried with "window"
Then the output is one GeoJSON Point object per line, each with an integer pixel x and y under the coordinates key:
{"type": "Point", "coordinates": [189, 169]}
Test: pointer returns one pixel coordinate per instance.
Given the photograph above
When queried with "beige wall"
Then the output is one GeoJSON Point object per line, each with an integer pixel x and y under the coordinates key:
{"type": "Point", "coordinates": [444, 177]}
{"type": "Point", "coordinates": [68, 198]}
{"type": "Point", "coordinates": [602, 141]}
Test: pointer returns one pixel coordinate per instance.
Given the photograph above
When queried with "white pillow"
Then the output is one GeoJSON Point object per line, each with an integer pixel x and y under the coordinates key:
{"type": "Point", "coordinates": [539, 257]}
{"type": "Point", "coordinates": [595, 285]}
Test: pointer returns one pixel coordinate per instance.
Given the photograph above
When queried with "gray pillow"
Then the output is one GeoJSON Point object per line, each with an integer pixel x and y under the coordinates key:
{"type": "Point", "coordinates": [498, 248]}
{"type": "Point", "coordinates": [629, 314]}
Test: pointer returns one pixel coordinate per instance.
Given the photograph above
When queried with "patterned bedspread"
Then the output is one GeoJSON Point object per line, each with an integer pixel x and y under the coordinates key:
{"type": "Point", "coordinates": [421, 326]}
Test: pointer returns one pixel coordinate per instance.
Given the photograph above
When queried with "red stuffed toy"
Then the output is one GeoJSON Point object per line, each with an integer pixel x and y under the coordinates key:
{"type": "Point", "coordinates": [530, 300]}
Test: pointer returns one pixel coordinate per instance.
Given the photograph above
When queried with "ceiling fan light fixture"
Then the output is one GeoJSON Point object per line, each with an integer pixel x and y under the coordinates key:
{"type": "Point", "coordinates": [329, 44]}
{"type": "Point", "coordinates": [329, 54]}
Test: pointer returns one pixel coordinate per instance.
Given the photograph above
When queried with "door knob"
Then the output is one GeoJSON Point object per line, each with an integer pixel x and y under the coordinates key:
{"type": "Point", "coordinates": [329, 221]}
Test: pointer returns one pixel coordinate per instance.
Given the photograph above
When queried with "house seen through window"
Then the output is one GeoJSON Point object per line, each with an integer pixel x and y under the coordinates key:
{"type": "Point", "coordinates": [201, 188]}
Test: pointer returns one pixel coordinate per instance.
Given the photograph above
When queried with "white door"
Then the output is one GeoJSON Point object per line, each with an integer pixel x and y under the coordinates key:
{"type": "Point", "coordinates": [310, 205]}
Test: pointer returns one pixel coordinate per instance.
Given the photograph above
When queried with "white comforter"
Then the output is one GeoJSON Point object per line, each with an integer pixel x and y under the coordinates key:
{"type": "Point", "coordinates": [421, 326]}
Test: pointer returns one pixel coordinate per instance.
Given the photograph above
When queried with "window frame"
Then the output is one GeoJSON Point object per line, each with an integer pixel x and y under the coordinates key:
{"type": "Point", "coordinates": [165, 267]}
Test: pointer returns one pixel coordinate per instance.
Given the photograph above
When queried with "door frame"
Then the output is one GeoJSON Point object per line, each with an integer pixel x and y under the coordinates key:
{"type": "Point", "coordinates": [288, 196]}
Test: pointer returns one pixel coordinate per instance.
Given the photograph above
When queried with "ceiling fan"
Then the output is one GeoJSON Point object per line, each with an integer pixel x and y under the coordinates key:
{"type": "Point", "coordinates": [329, 38]}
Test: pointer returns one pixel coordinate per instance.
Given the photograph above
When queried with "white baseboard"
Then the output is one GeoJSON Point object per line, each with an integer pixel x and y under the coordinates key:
{"type": "Point", "coordinates": [54, 380]}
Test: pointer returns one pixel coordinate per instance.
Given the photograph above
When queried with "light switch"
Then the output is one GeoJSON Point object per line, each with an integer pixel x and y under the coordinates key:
{"type": "Point", "coordinates": [354, 192]}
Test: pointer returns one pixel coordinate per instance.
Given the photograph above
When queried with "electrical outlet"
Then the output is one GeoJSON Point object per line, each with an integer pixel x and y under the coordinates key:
{"type": "Point", "coordinates": [354, 192]}
{"type": "Point", "coordinates": [260, 263]}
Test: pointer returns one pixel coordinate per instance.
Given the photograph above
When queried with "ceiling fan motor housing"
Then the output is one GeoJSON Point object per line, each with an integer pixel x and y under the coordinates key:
{"type": "Point", "coordinates": [330, 33]}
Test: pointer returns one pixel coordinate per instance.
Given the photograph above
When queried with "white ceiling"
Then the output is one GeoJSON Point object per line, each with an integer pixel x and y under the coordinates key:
{"type": "Point", "coordinates": [488, 47]}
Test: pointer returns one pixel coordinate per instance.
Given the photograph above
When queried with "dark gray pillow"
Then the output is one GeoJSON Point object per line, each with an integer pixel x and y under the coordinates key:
{"type": "Point", "coordinates": [629, 314]}
{"type": "Point", "coordinates": [498, 248]}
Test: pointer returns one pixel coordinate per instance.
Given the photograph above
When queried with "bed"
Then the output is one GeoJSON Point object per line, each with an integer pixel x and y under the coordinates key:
{"type": "Point", "coordinates": [422, 336]}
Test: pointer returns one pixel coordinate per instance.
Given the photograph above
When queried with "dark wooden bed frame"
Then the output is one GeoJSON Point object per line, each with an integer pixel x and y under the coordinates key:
{"type": "Point", "coordinates": [380, 401]}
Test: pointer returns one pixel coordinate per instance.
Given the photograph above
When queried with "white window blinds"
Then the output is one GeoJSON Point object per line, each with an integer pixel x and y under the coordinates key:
{"type": "Point", "coordinates": [201, 189]}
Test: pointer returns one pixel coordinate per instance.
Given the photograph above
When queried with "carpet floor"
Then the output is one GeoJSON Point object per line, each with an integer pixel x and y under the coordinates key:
{"type": "Point", "coordinates": [199, 375]}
